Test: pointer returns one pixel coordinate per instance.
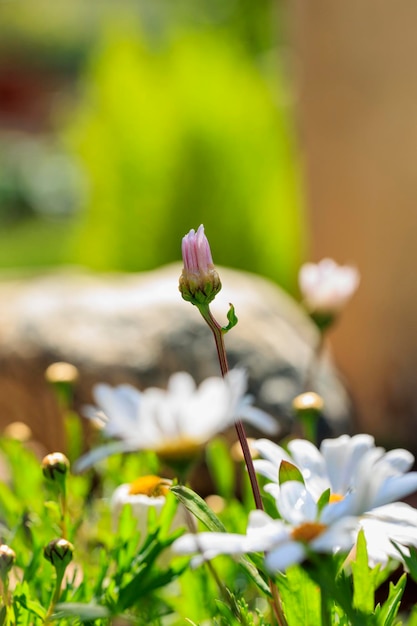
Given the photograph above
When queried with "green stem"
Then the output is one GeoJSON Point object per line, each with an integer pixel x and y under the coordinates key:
{"type": "Point", "coordinates": [63, 504]}
{"type": "Point", "coordinates": [55, 597]}
{"type": "Point", "coordinates": [314, 363]}
{"type": "Point", "coordinates": [324, 607]}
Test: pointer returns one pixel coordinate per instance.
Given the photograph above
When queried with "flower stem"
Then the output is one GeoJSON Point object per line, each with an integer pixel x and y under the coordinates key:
{"type": "Point", "coordinates": [224, 367]}
{"type": "Point", "coordinates": [63, 506]}
{"type": "Point", "coordinates": [240, 429]}
{"type": "Point", "coordinates": [55, 597]}
{"type": "Point", "coordinates": [309, 382]}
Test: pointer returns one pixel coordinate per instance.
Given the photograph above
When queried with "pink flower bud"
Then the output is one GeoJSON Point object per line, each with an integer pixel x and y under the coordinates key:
{"type": "Point", "coordinates": [199, 282]}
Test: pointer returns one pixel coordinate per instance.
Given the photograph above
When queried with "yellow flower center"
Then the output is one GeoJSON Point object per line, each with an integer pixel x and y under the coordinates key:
{"type": "Point", "coordinates": [151, 486]}
{"type": "Point", "coordinates": [307, 531]}
{"type": "Point", "coordinates": [335, 497]}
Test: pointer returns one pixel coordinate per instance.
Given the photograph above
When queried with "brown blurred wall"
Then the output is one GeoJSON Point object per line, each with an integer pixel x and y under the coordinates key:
{"type": "Point", "coordinates": [355, 64]}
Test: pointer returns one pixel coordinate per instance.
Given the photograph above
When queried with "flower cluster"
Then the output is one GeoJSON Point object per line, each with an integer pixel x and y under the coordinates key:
{"type": "Point", "coordinates": [323, 497]}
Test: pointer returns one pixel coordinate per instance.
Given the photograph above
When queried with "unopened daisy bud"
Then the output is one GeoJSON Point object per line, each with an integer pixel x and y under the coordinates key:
{"type": "Point", "coordinates": [61, 372]}
{"type": "Point", "coordinates": [326, 287]}
{"type": "Point", "coordinates": [62, 376]}
{"type": "Point", "coordinates": [55, 467]}
{"type": "Point", "coordinates": [308, 407]}
{"type": "Point", "coordinates": [59, 552]}
{"type": "Point", "coordinates": [7, 559]}
{"type": "Point", "coordinates": [199, 282]}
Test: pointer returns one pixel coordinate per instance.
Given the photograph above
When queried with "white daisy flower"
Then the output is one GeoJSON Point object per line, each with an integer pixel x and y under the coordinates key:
{"type": "Point", "coordinates": [302, 529]}
{"type": "Point", "coordinates": [326, 286]}
{"type": "Point", "coordinates": [363, 480]}
{"type": "Point", "coordinates": [174, 422]}
{"type": "Point", "coordinates": [361, 475]}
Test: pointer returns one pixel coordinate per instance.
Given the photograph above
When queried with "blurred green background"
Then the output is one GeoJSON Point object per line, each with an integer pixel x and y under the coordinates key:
{"type": "Point", "coordinates": [123, 125]}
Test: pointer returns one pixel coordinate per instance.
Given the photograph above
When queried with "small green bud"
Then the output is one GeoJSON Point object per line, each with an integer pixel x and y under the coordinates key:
{"type": "Point", "coordinates": [308, 401]}
{"type": "Point", "coordinates": [59, 552]}
{"type": "Point", "coordinates": [62, 377]}
{"type": "Point", "coordinates": [55, 467]}
{"type": "Point", "coordinates": [7, 559]}
{"type": "Point", "coordinates": [308, 407]}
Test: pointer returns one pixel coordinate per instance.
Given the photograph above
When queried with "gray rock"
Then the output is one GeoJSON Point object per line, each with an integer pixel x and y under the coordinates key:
{"type": "Point", "coordinates": [137, 329]}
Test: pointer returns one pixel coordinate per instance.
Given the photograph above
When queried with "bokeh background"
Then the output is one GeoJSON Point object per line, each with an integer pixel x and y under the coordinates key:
{"type": "Point", "coordinates": [125, 124]}
{"type": "Point", "coordinates": [288, 128]}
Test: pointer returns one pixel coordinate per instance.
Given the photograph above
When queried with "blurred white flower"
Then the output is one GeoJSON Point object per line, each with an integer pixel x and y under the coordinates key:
{"type": "Point", "coordinates": [326, 286]}
{"type": "Point", "coordinates": [174, 422]}
{"type": "Point", "coordinates": [147, 492]}
{"type": "Point", "coordinates": [143, 495]}
{"type": "Point", "coordinates": [303, 528]}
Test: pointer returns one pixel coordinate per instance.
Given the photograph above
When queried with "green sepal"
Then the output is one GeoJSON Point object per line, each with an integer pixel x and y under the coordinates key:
{"type": "Point", "coordinates": [287, 471]}
{"type": "Point", "coordinates": [323, 500]}
{"type": "Point", "coordinates": [232, 317]}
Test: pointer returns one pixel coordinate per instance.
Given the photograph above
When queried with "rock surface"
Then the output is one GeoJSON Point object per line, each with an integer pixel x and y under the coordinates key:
{"type": "Point", "coordinates": [136, 328]}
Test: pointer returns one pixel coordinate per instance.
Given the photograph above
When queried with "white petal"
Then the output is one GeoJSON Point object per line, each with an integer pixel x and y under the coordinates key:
{"type": "Point", "coordinates": [237, 381]}
{"type": "Point", "coordinates": [396, 512]}
{"type": "Point", "coordinates": [311, 464]}
{"type": "Point", "coordinates": [341, 456]}
{"type": "Point", "coordinates": [378, 535]}
{"type": "Point", "coordinates": [295, 503]}
{"type": "Point", "coordinates": [257, 418]}
{"type": "Point", "coordinates": [339, 536]}
{"type": "Point", "coordinates": [181, 384]}
{"type": "Point", "coordinates": [283, 556]}
{"type": "Point", "coordinates": [118, 403]}
{"type": "Point", "coordinates": [337, 510]}
{"type": "Point", "coordinates": [399, 460]}
{"type": "Point", "coordinates": [210, 544]}
{"type": "Point", "coordinates": [395, 488]}
{"type": "Point", "coordinates": [264, 532]}
{"type": "Point", "coordinates": [265, 468]}
{"type": "Point", "coordinates": [100, 453]}
{"type": "Point", "coordinates": [271, 452]}
{"type": "Point", "coordinates": [273, 489]}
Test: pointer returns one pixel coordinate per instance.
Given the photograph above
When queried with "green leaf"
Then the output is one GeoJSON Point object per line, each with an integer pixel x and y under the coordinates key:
{"type": "Point", "coordinates": [300, 597]}
{"type": "Point", "coordinates": [147, 581]}
{"type": "Point", "coordinates": [254, 575]}
{"type": "Point", "coordinates": [84, 612]}
{"type": "Point", "coordinates": [196, 505]}
{"type": "Point", "coordinates": [409, 559]}
{"type": "Point", "coordinates": [30, 605]}
{"type": "Point", "coordinates": [387, 613]}
{"type": "Point", "coordinates": [232, 317]}
{"type": "Point", "coordinates": [287, 472]}
{"type": "Point", "coordinates": [364, 578]}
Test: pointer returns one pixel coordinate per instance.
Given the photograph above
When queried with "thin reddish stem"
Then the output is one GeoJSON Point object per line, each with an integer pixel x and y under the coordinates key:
{"type": "Point", "coordinates": [240, 429]}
